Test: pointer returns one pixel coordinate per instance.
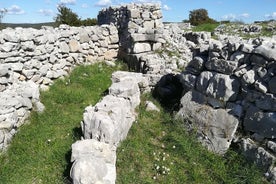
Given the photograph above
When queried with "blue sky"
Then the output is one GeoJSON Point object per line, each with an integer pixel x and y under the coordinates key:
{"type": "Point", "coordinates": [36, 11]}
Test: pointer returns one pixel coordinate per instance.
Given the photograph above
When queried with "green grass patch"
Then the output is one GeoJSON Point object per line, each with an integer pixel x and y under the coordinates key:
{"type": "Point", "coordinates": [209, 27]}
{"type": "Point", "coordinates": [158, 149]}
{"type": "Point", "coordinates": [40, 152]}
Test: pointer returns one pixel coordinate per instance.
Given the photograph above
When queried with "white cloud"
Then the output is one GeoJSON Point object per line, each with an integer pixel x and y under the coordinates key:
{"type": "Point", "coordinates": [245, 15]}
{"type": "Point", "coordinates": [46, 12]}
{"type": "Point", "coordinates": [84, 5]}
{"type": "Point", "coordinates": [147, 1]}
{"type": "Point", "coordinates": [103, 3]}
{"type": "Point", "coordinates": [15, 10]}
{"type": "Point", "coordinates": [271, 16]}
{"type": "Point", "coordinates": [71, 2]}
{"type": "Point", "coordinates": [166, 7]}
{"type": "Point", "coordinates": [229, 17]}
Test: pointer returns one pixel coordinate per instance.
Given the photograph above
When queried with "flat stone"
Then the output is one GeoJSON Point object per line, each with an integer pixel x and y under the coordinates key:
{"type": "Point", "coordinates": [141, 47]}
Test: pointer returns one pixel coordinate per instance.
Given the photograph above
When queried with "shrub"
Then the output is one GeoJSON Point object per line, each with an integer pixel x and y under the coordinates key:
{"type": "Point", "coordinates": [200, 16]}
{"type": "Point", "coordinates": [67, 16]}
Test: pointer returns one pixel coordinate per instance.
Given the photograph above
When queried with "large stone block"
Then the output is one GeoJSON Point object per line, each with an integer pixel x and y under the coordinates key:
{"type": "Point", "coordinates": [215, 127]}
{"type": "Point", "coordinates": [141, 47]}
{"type": "Point", "coordinates": [221, 65]}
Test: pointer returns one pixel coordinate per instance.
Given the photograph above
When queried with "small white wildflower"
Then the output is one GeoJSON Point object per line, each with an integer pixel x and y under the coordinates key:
{"type": "Point", "coordinates": [154, 177]}
{"type": "Point", "coordinates": [157, 167]}
{"type": "Point", "coordinates": [164, 158]}
{"type": "Point", "coordinates": [173, 146]}
{"type": "Point", "coordinates": [171, 163]}
{"type": "Point", "coordinates": [154, 153]}
{"type": "Point", "coordinates": [164, 172]}
{"type": "Point", "coordinates": [266, 174]}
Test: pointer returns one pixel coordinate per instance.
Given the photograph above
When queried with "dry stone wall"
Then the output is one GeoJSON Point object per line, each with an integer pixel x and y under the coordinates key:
{"type": "Point", "coordinates": [231, 84]}
{"type": "Point", "coordinates": [31, 59]}
{"type": "Point", "coordinates": [140, 30]}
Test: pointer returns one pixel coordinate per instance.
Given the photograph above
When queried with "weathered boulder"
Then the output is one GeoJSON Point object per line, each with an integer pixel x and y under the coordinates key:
{"type": "Point", "coordinates": [215, 127]}
{"type": "Point", "coordinates": [221, 65]}
{"type": "Point", "coordinates": [109, 120]}
{"type": "Point", "coordinates": [219, 86]}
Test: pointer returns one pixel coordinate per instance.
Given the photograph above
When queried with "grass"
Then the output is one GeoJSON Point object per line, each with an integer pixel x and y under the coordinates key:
{"type": "Point", "coordinates": [40, 152]}
{"type": "Point", "coordinates": [209, 27]}
{"type": "Point", "coordinates": [159, 150]}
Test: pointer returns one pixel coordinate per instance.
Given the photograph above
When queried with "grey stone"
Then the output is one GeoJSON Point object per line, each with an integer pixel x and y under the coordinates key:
{"type": "Point", "coordinates": [17, 67]}
{"type": "Point", "coordinates": [247, 48]}
{"type": "Point", "coordinates": [221, 65]}
{"type": "Point", "coordinates": [216, 128]}
{"type": "Point", "coordinates": [223, 87]}
{"type": "Point", "coordinates": [109, 120]}
{"type": "Point", "coordinates": [237, 56]}
{"type": "Point", "coordinates": [39, 107]}
{"type": "Point", "coordinates": [137, 37]}
{"type": "Point", "coordinates": [187, 80]}
{"type": "Point", "coordinates": [28, 46]}
{"type": "Point", "coordinates": [258, 155]}
{"type": "Point", "coordinates": [4, 70]}
{"type": "Point", "coordinates": [263, 123]}
{"type": "Point", "coordinates": [258, 60]}
{"type": "Point", "coordinates": [141, 47]}
{"type": "Point", "coordinates": [88, 170]}
{"type": "Point", "coordinates": [92, 147]}
{"type": "Point", "coordinates": [63, 47]}
{"type": "Point", "coordinates": [249, 77]}
{"type": "Point", "coordinates": [234, 109]}
{"type": "Point", "coordinates": [260, 86]}
{"type": "Point", "coordinates": [196, 65]}
{"type": "Point", "coordinates": [272, 85]}
{"type": "Point", "coordinates": [266, 51]}
{"type": "Point", "coordinates": [266, 102]}
{"type": "Point", "coordinates": [7, 46]}
{"type": "Point", "coordinates": [272, 146]}
{"type": "Point", "coordinates": [203, 80]}
{"type": "Point", "coordinates": [151, 107]}
{"type": "Point", "coordinates": [74, 46]}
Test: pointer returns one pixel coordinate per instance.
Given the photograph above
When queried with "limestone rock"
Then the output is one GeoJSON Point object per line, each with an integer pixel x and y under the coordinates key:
{"type": "Point", "coordinates": [141, 47]}
{"type": "Point", "coordinates": [74, 46]}
{"type": "Point", "coordinates": [109, 120]}
{"type": "Point", "coordinates": [263, 123]}
{"type": "Point", "coordinates": [221, 65]}
{"type": "Point", "coordinates": [216, 128]}
{"type": "Point", "coordinates": [151, 107]}
{"type": "Point", "coordinates": [258, 155]}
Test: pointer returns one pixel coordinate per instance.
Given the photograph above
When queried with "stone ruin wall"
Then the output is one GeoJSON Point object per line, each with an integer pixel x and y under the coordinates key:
{"type": "Point", "coordinates": [140, 30]}
{"type": "Point", "coordinates": [230, 92]}
{"type": "Point", "coordinates": [229, 79]}
{"type": "Point", "coordinates": [30, 60]}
